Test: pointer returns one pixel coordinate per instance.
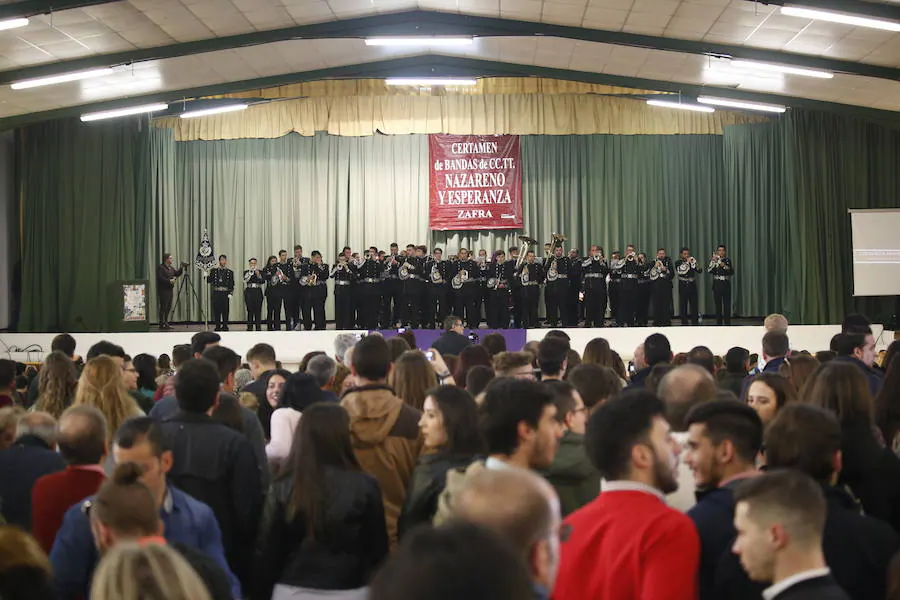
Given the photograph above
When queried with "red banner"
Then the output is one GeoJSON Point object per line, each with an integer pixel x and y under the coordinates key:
{"type": "Point", "coordinates": [476, 182]}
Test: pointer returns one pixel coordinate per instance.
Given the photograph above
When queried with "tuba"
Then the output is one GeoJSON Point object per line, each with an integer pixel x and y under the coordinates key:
{"type": "Point", "coordinates": [526, 243]}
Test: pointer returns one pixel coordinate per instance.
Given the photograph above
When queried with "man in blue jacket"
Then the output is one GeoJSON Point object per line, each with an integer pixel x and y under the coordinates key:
{"type": "Point", "coordinates": [186, 521]}
{"type": "Point", "coordinates": [858, 349]}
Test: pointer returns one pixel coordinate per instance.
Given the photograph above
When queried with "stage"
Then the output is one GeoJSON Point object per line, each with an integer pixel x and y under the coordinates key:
{"type": "Point", "coordinates": [291, 346]}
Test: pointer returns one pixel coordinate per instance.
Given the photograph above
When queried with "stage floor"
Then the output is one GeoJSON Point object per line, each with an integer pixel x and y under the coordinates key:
{"type": "Point", "coordinates": [291, 346]}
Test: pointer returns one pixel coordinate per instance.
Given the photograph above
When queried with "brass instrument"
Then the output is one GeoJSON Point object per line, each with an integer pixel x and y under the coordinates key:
{"type": "Point", "coordinates": [683, 268]}
{"type": "Point", "coordinates": [436, 276]}
{"type": "Point", "coordinates": [693, 262]}
{"type": "Point", "coordinates": [526, 243]}
{"type": "Point", "coordinates": [459, 279]}
{"type": "Point", "coordinates": [404, 271]}
{"type": "Point", "coordinates": [715, 262]}
{"type": "Point", "coordinates": [656, 270]}
{"type": "Point", "coordinates": [312, 279]}
{"type": "Point", "coordinates": [557, 240]}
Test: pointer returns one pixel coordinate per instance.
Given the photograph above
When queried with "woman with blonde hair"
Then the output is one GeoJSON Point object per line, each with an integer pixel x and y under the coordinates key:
{"type": "Point", "coordinates": [134, 571]}
{"type": "Point", "coordinates": [411, 377]}
{"type": "Point", "coordinates": [56, 384]}
{"type": "Point", "coordinates": [102, 386]}
{"type": "Point", "coordinates": [24, 568]}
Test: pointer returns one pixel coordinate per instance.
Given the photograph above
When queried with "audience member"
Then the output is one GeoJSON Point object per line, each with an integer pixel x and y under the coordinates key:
{"type": "Point", "coordinates": [304, 362]}
{"type": "Point", "coordinates": [573, 360]}
{"type": "Point", "coordinates": [299, 392]}
{"type": "Point", "coordinates": [124, 511]}
{"type": "Point", "coordinates": [768, 393]}
{"type": "Point", "coordinates": [458, 560]}
{"type": "Point", "coordinates": [887, 408]}
{"type": "Point", "coordinates": [185, 520]}
{"type": "Point", "coordinates": [655, 548]}
{"type": "Point", "coordinates": [273, 382]}
{"type": "Point", "coordinates": [145, 365]}
{"type": "Point", "coordinates": [202, 340]}
{"type": "Point", "coordinates": [679, 359]}
{"type": "Point", "coordinates": [468, 358]}
{"type": "Point", "coordinates": [856, 323]}
{"type": "Point", "coordinates": [551, 357]}
{"type": "Point", "coordinates": [478, 379]}
{"type": "Point", "coordinates": [83, 445]}
{"type": "Point", "coordinates": [32, 456]}
{"type": "Point", "coordinates": [514, 364]}
{"type": "Point", "coordinates": [411, 377]}
{"type": "Point", "coordinates": [779, 519]}
{"type": "Point", "coordinates": [9, 421]}
{"type": "Point", "coordinates": [342, 343]}
{"type": "Point", "coordinates": [213, 463]}
{"type": "Point", "coordinates": [651, 383]}
{"type": "Point", "coordinates": [384, 429]}
{"type": "Point", "coordinates": [261, 358]}
{"type": "Point", "coordinates": [572, 475]}
{"type": "Point", "coordinates": [181, 353]}
{"type": "Point", "coordinates": [703, 357]}
{"type": "Point", "coordinates": [102, 386]}
{"type": "Point", "coordinates": [737, 366]}
{"type": "Point", "coordinates": [798, 369]}
{"type": "Point", "coordinates": [523, 509]}
{"type": "Point", "coordinates": [410, 337]}
{"type": "Point", "coordinates": [682, 389]}
{"type": "Point", "coordinates": [396, 346]}
{"type": "Point", "coordinates": [241, 378]}
{"type": "Point", "coordinates": [595, 383]}
{"type": "Point", "coordinates": [452, 341]}
{"type": "Point", "coordinates": [342, 380]}
{"type": "Point", "coordinates": [130, 377]}
{"type": "Point", "coordinates": [723, 441]}
{"type": "Point", "coordinates": [163, 368]}
{"type": "Point", "coordinates": [869, 469]}
{"type": "Point", "coordinates": [824, 356]}
{"type": "Point", "coordinates": [776, 322]}
{"type": "Point", "coordinates": [598, 352]}
{"type": "Point", "coordinates": [103, 347]}
{"type": "Point", "coordinates": [134, 571]}
{"type": "Point", "coordinates": [7, 383]}
{"type": "Point", "coordinates": [494, 343]}
{"type": "Point", "coordinates": [62, 342]}
{"type": "Point", "coordinates": [858, 349]}
{"type": "Point", "coordinates": [25, 572]}
{"type": "Point", "coordinates": [323, 369]}
{"type": "Point", "coordinates": [892, 350]}
{"type": "Point", "coordinates": [324, 524]}
{"type": "Point", "coordinates": [656, 350]}
{"type": "Point", "coordinates": [619, 367]}
{"type": "Point", "coordinates": [775, 348]}
{"type": "Point", "coordinates": [57, 381]}
{"type": "Point", "coordinates": [451, 440]}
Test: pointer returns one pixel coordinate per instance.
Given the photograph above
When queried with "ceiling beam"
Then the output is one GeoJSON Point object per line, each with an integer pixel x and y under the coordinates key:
{"type": "Point", "coordinates": [435, 65]}
{"type": "Point", "coordinates": [435, 23]}
{"type": "Point", "coordinates": [31, 8]}
{"type": "Point", "coordinates": [876, 10]}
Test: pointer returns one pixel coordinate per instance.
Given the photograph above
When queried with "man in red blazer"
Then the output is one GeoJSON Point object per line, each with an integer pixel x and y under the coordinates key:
{"type": "Point", "coordinates": [83, 445]}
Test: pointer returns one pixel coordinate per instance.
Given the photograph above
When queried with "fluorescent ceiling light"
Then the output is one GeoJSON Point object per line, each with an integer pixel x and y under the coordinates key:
{"type": "Point", "coordinates": [682, 106]}
{"type": "Point", "coordinates": [13, 23]}
{"type": "Point", "coordinates": [205, 112]}
{"type": "Point", "coordinates": [124, 112]}
{"type": "Point", "coordinates": [420, 41]}
{"type": "Point", "coordinates": [836, 17]}
{"type": "Point", "coordinates": [63, 78]}
{"type": "Point", "coordinates": [429, 81]}
{"type": "Point", "coordinates": [774, 108]}
{"type": "Point", "coordinates": [752, 65]}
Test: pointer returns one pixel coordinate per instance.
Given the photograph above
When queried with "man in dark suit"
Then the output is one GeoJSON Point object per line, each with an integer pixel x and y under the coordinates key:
{"type": "Point", "coordinates": [452, 341]}
{"type": "Point", "coordinates": [83, 445]}
{"type": "Point", "coordinates": [779, 517]}
{"type": "Point", "coordinates": [166, 276]}
{"type": "Point", "coordinates": [32, 456]}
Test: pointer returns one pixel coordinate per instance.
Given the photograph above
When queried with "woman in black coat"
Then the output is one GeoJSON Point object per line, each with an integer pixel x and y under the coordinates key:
{"type": "Point", "coordinates": [323, 524]}
{"type": "Point", "coordinates": [449, 425]}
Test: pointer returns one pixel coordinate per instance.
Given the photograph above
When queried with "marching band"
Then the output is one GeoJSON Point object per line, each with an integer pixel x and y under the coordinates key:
{"type": "Point", "coordinates": [413, 288]}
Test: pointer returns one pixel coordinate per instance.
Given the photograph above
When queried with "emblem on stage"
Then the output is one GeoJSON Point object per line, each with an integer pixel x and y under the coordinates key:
{"type": "Point", "coordinates": [206, 259]}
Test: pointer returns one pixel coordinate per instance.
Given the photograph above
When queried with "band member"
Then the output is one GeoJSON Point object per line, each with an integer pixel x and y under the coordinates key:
{"type": "Point", "coordinates": [556, 291]}
{"type": "Point", "coordinates": [530, 275]}
{"type": "Point", "coordinates": [616, 266]}
{"type": "Point", "coordinates": [317, 290]}
{"type": "Point", "coordinates": [515, 287]}
{"type": "Point", "coordinates": [628, 290]}
{"type": "Point", "coordinates": [343, 274]}
{"type": "Point", "coordinates": [297, 302]}
{"type": "Point", "coordinates": [686, 269]}
{"type": "Point", "coordinates": [369, 281]}
{"type": "Point", "coordinates": [467, 290]}
{"type": "Point", "coordinates": [437, 280]}
{"type": "Point", "coordinates": [497, 285]}
{"type": "Point", "coordinates": [254, 280]}
{"type": "Point", "coordinates": [280, 282]}
{"type": "Point", "coordinates": [411, 274]}
{"type": "Point", "coordinates": [664, 272]}
{"type": "Point", "coordinates": [576, 308]}
{"type": "Point", "coordinates": [644, 291]}
{"type": "Point", "coordinates": [392, 289]}
{"type": "Point", "coordinates": [222, 280]}
{"type": "Point", "coordinates": [273, 302]}
{"type": "Point", "coordinates": [481, 278]}
{"type": "Point", "coordinates": [594, 270]}
{"type": "Point", "coordinates": [166, 275]}
{"type": "Point", "coordinates": [721, 269]}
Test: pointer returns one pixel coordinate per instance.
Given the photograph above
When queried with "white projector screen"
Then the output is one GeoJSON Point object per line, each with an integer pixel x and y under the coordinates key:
{"type": "Point", "coordinates": [876, 252]}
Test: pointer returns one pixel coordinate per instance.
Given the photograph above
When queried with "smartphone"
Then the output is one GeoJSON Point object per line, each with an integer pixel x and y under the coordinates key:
{"type": "Point", "coordinates": [473, 336]}
{"type": "Point", "coordinates": [359, 336]}
{"type": "Point", "coordinates": [401, 329]}
{"type": "Point", "coordinates": [631, 368]}
{"type": "Point", "coordinates": [429, 355]}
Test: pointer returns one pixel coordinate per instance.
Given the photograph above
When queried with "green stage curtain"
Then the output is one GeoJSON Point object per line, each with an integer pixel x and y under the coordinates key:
{"type": "Point", "coordinates": [80, 207]}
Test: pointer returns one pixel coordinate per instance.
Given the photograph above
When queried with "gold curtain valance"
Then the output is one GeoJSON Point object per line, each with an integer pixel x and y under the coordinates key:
{"type": "Point", "coordinates": [522, 114]}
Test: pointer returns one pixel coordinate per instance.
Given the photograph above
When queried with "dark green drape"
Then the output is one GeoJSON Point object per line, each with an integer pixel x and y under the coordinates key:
{"type": "Point", "coordinates": [84, 220]}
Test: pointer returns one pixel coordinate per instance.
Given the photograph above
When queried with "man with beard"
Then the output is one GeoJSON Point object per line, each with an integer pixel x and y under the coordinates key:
{"type": "Point", "coordinates": [627, 544]}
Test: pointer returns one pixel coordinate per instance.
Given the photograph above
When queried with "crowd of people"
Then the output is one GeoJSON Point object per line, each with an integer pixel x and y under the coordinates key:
{"type": "Point", "coordinates": [468, 470]}
{"type": "Point", "coordinates": [410, 288]}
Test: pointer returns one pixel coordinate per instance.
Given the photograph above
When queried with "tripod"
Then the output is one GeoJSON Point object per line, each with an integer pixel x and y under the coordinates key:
{"type": "Point", "coordinates": [186, 282]}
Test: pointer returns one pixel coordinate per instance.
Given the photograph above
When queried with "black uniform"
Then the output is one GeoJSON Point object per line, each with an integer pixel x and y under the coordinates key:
{"type": "Point", "coordinates": [343, 274]}
{"type": "Point", "coordinates": [722, 270]}
{"type": "Point", "coordinates": [392, 302]}
{"type": "Point", "coordinates": [437, 285]}
{"type": "Point", "coordinates": [556, 292]}
{"type": "Point", "coordinates": [576, 308]}
{"type": "Point", "coordinates": [687, 290]}
{"type": "Point", "coordinates": [662, 292]}
{"type": "Point", "coordinates": [481, 277]}
{"type": "Point", "coordinates": [628, 290]}
{"type": "Point", "coordinates": [164, 289]}
{"type": "Point", "coordinates": [594, 272]}
{"type": "Point", "coordinates": [253, 297]}
{"type": "Point", "coordinates": [616, 269]}
{"type": "Point", "coordinates": [468, 305]}
{"type": "Point", "coordinates": [222, 281]}
{"type": "Point", "coordinates": [414, 291]}
{"type": "Point", "coordinates": [498, 278]}
{"type": "Point", "coordinates": [369, 286]}
{"type": "Point", "coordinates": [530, 276]}
{"type": "Point", "coordinates": [644, 295]}
{"type": "Point", "coordinates": [515, 292]}
{"type": "Point", "coordinates": [317, 294]}
{"type": "Point", "coordinates": [297, 304]}
{"type": "Point", "coordinates": [276, 293]}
